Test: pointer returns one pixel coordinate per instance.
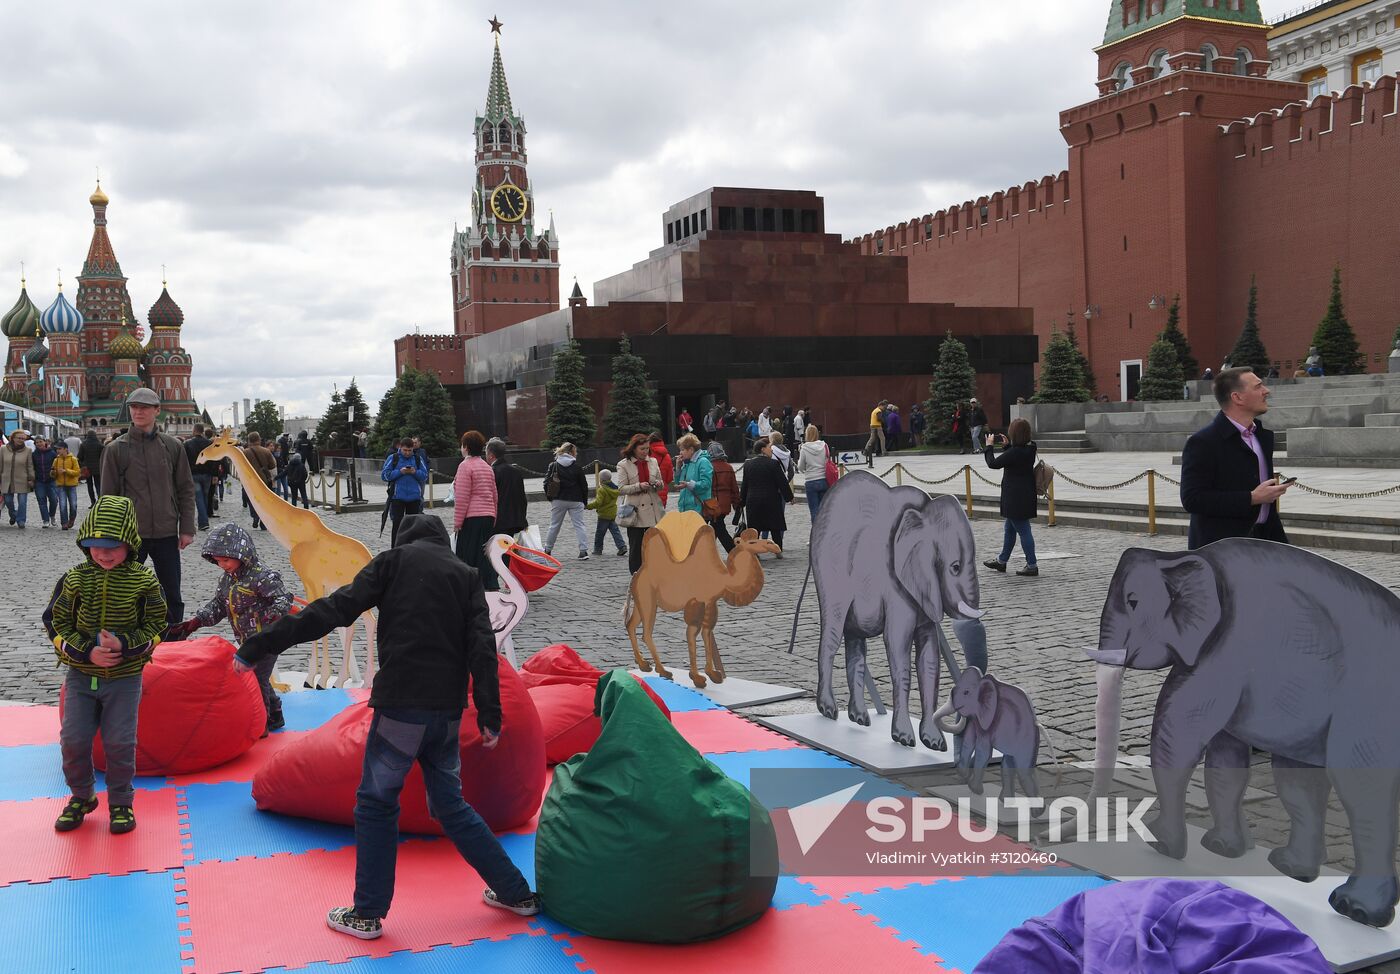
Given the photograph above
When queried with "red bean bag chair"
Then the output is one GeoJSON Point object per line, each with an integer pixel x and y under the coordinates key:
{"type": "Point", "coordinates": [316, 777]}
{"type": "Point", "coordinates": [196, 711]}
{"type": "Point", "coordinates": [563, 686]}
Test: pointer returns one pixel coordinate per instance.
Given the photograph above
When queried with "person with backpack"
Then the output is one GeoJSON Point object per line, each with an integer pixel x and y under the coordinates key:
{"type": "Point", "coordinates": [405, 473]}
{"type": "Point", "coordinates": [1018, 492]}
{"type": "Point", "coordinates": [566, 487]}
{"type": "Point", "coordinates": [152, 469]}
{"type": "Point", "coordinates": [296, 479]}
{"type": "Point", "coordinates": [724, 487]}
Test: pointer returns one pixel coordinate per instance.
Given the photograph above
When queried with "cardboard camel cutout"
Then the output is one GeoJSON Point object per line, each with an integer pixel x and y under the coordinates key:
{"type": "Point", "coordinates": [1273, 647]}
{"type": "Point", "coordinates": [323, 559]}
{"type": "Point", "coordinates": [681, 572]}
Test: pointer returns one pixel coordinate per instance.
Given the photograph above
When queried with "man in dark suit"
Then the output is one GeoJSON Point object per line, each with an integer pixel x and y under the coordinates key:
{"type": "Point", "coordinates": [1227, 469]}
{"type": "Point", "coordinates": [511, 517]}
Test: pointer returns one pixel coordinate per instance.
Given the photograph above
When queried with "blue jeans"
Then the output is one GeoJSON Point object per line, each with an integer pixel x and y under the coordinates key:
{"type": "Point", "coordinates": [603, 530]}
{"type": "Point", "coordinates": [398, 738]}
{"type": "Point", "coordinates": [46, 493]}
{"type": "Point", "coordinates": [67, 503]}
{"type": "Point", "coordinates": [815, 490]}
{"type": "Point", "coordinates": [18, 506]}
{"type": "Point", "coordinates": [282, 490]}
{"type": "Point", "coordinates": [202, 482]}
{"type": "Point", "coordinates": [1014, 528]}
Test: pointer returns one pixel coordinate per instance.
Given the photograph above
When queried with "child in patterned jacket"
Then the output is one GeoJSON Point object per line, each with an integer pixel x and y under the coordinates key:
{"type": "Point", "coordinates": [250, 596]}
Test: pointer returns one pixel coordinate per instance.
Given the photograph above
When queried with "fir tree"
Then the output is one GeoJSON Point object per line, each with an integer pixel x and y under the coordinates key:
{"type": "Point", "coordinates": [331, 421]}
{"type": "Point", "coordinates": [1162, 382]}
{"type": "Point", "coordinates": [265, 421]}
{"type": "Point", "coordinates": [1061, 377]}
{"type": "Point", "coordinates": [631, 403]}
{"type": "Point", "coordinates": [954, 382]}
{"type": "Point", "coordinates": [391, 422]}
{"type": "Point", "coordinates": [1172, 333]}
{"type": "Point", "coordinates": [431, 417]}
{"type": "Point", "coordinates": [571, 418]}
{"type": "Point", "coordinates": [1249, 351]}
{"type": "Point", "coordinates": [1335, 341]}
{"type": "Point", "coordinates": [1089, 381]}
{"type": "Point", "coordinates": [346, 414]}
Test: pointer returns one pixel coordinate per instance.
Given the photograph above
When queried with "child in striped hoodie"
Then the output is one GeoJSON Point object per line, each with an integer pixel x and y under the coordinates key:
{"type": "Point", "coordinates": [105, 618]}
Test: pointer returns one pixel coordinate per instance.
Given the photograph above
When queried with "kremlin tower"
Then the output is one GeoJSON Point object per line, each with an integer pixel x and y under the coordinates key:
{"type": "Point", "coordinates": [80, 362]}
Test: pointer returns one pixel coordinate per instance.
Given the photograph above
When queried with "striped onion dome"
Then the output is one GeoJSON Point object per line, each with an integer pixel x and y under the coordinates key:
{"type": "Point", "coordinates": [21, 321]}
{"type": "Point", "coordinates": [61, 318]}
{"type": "Point", "coordinates": [165, 313]}
{"type": "Point", "coordinates": [125, 346]}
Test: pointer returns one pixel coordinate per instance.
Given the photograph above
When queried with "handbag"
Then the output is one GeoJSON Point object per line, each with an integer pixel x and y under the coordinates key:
{"type": "Point", "coordinates": [833, 472]}
{"type": "Point", "coordinates": [551, 482]}
{"type": "Point", "coordinates": [626, 510]}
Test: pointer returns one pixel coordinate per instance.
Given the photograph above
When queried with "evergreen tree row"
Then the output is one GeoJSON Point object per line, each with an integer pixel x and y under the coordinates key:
{"type": "Point", "coordinates": [416, 405]}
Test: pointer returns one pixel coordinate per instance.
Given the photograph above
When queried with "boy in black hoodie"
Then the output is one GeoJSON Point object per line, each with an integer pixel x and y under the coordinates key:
{"type": "Point", "coordinates": [435, 639]}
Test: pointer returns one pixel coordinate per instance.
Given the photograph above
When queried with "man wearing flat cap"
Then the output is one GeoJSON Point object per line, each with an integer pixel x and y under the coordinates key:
{"type": "Point", "coordinates": [152, 469]}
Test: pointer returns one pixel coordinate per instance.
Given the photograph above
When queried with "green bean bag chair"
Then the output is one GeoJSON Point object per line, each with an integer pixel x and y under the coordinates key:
{"type": "Point", "coordinates": [643, 839]}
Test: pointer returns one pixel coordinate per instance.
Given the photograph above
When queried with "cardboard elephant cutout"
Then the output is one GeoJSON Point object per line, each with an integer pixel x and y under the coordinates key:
{"type": "Point", "coordinates": [1273, 647]}
{"type": "Point", "coordinates": [890, 561]}
{"type": "Point", "coordinates": [993, 716]}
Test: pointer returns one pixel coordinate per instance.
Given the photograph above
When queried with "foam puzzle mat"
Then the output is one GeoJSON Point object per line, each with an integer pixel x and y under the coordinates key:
{"type": "Point", "coordinates": [207, 884]}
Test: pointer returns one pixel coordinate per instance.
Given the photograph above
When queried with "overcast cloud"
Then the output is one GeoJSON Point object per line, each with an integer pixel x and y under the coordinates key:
{"type": "Point", "coordinates": [299, 166]}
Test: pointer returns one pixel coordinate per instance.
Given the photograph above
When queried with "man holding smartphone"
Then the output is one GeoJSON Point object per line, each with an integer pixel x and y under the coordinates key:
{"type": "Point", "coordinates": [1228, 484]}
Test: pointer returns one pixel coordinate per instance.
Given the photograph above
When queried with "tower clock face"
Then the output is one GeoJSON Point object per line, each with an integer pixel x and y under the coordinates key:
{"type": "Point", "coordinates": [508, 203]}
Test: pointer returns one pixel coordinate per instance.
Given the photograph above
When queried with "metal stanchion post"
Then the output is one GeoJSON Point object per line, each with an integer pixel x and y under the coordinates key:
{"type": "Point", "coordinates": [1050, 497]}
{"type": "Point", "coordinates": [337, 491]}
{"type": "Point", "coordinates": [967, 481]}
{"type": "Point", "coordinates": [1152, 502]}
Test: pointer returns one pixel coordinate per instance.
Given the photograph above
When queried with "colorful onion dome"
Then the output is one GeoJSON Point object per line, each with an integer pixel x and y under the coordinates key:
{"type": "Point", "coordinates": [125, 346]}
{"type": "Point", "coordinates": [98, 198]}
{"type": "Point", "coordinates": [61, 318]}
{"type": "Point", "coordinates": [21, 321]}
{"type": "Point", "coordinates": [165, 313]}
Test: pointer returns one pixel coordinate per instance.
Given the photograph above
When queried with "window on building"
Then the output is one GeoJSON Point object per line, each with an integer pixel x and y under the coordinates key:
{"type": "Point", "coordinates": [1242, 58]}
{"type": "Point", "coordinates": [487, 134]}
{"type": "Point", "coordinates": [789, 221]}
{"type": "Point", "coordinates": [727, 218]}
{"type": "Point", "coordinates": [1366, 67]}
{"type": "Point", "coordinates": [1123, 76]}
{"type": "Point", "coordinates": [486, 252]}
{"type": "Point", "coordinates": [750, 218]}
{"type": "Point", "coordinates": [503, 135]}
{"type": "Point", "coordinates": [685, 225]}
{"type": "Point", "coordinates": [1316, 80]}
{"type": "Point", "coordinates": [1158, 63]}
{"type": "Point", "coordinates": [1154, 7]}
{"type": "Point", "coordinates": [1208, 56]}
{"type": "Point", "coordinates": [704, 220]}
{"type": "Point", "coordinates": [809, 221]}
{"type": "Point", "coordinates": [770, 219]}
{"type": "Point", "coordinates": [670, 233]}
{"type": "Point", "coordinates": [928, 231]}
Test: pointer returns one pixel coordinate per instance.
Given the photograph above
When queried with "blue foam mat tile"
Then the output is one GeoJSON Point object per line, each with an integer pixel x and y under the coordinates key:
{"type": "Point", "coordinates": [677, 698]}
{"type": "Point", "coordinates": [36, 771]}
{"type": "Point", "coordinates": [960, 921]}
{"type": "Point", "coordinates": [308, 709]}
{"type": "Point", "coordinates": [521, 954]}
{"type": "Point", "coordinates": [793, 892]}
{"type": "Point", "coordinates": [520, 846]}
{"type": "Point", "coordinates": [225, 824]}
{"type": "Point", "coordinates": [93, 926]}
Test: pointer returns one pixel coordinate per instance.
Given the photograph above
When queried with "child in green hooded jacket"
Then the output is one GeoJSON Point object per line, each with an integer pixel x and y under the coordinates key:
{"type": "Point", "coordinates": [605, 503]}
{"type": "Point", "coordinates": [105, 618]}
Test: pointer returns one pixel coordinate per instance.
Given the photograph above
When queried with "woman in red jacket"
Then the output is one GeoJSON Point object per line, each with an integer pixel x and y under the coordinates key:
{"type": "Point", "coordinates": [474, 507]}
{"type": "Point", "coordinates": [663, 460]}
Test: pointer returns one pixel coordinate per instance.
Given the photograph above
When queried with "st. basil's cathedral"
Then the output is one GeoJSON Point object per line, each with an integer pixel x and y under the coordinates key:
{"type": "Point", "coordinates": [80, 363]}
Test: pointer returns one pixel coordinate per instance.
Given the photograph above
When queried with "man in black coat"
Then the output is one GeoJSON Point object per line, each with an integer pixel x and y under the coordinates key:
{"type": "Point", "coordinates": [511, 517]}
{"type": "Point", "coordinates": [435, 640]}
{"type": "Point", "coordinates": [1227, 469]}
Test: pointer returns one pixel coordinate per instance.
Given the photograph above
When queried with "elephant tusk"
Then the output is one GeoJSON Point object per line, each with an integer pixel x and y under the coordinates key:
{"type": "Point", "coordinates": [968, 612]}
{"type": "Point", "coordinates": [1109, 657]}
{"type": "Point", "coordinates": [940, 720]}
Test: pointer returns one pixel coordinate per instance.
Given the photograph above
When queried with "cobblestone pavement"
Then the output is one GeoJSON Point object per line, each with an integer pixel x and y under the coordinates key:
{"type": "Point", "coordinates": [1037, 627]}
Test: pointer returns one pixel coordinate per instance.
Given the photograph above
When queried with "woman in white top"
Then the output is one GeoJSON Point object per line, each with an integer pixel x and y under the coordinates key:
{"type": "Point", "coordinates": [811, 468]}
{"type": "Point", "coordinates": [765, 421]}
{"type": "Point", "coordinates": [799, 426]}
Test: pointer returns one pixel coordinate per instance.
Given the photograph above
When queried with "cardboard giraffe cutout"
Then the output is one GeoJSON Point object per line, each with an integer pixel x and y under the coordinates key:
{"type": "Point", "coordinates": [323, 559]}
{"type": "Point", "coordinates": [681, 572]}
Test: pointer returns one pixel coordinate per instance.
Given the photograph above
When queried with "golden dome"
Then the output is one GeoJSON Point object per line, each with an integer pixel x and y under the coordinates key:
{"type": "Point", "coordinates": [125, 346]}
{"type": "Point", "coordinates": [98, 198]}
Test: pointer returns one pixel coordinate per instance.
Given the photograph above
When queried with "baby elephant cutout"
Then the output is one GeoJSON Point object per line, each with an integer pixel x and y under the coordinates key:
{"type": "Point", "coordinates": [993, 716]}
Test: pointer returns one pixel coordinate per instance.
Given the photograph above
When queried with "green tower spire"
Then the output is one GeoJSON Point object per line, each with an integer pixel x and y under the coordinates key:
{"type": "Point", "coordinates": [498, 94]}
{"type": "Point", "coordinates": [1129, 17]}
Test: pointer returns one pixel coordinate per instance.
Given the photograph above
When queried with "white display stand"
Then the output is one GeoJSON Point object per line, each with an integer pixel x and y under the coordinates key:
{"type": "Point", "coordinates": [870, 747]}
{"type": "Point", "coordinates": [733, 692]}
{"type": "Point", "coordinates": [1347, 945]}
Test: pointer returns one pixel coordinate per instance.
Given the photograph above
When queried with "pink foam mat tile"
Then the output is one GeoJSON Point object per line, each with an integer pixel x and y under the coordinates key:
{"type": "Point", "coordinates": [32, 852]}
{"type": "Point", "coordinates": [723, 732]}
{"type": "Point", "coordinates": [243, 767]}
{"type": "Point", "coordinates": [28, 724]}
{"type": "Point", "coordinates": [839, 887]}
{"type": "Point", "coordinates": [437, 901]}
{"type": "Point", "coordinates": [830, 936]}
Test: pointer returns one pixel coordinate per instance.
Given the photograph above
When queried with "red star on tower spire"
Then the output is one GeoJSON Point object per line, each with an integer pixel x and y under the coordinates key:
{"type": "Point", "coordinates": [496, 25]}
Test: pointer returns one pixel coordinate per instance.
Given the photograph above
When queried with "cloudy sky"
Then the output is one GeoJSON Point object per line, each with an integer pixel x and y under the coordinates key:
{"type": "Point", "coordinates": [299, 166]}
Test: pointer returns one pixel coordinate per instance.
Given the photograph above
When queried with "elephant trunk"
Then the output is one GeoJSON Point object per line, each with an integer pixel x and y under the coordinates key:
{"type": "Point", "coordinates": [940, 719]}
{"type": "Point", "coordinates": [1107, 718]}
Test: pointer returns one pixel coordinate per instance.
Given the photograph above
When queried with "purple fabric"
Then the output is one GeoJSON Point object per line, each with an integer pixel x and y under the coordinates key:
{"type": "Point", "coordinates": [1158, 926]}
{"type": "Point", "coordinates": [1252, 441]}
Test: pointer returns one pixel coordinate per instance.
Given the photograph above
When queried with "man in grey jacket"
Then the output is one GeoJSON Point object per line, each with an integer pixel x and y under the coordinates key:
{"type": "Point", "coordinates": [152, 469]}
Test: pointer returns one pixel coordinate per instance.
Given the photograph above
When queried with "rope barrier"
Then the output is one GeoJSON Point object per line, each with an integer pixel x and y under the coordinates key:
{"type": "Point", "coordinates": [1349, 497]}
{"type": "Point", "coordinates": [1061, 475]}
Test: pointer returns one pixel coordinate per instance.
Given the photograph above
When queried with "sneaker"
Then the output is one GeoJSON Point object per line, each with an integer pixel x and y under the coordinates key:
{"type": "Point", "coordinates": [346, 920]}
{"type": "Point", "coordinates": [527, 907]}
{"type": "Point", "coordinates": [73, 814]}
{"type": "Point", "coordinates": [622, 551]}
{"type": "Point", "coordinates": [123, 819]}
{"type": "Point", "coordinates": [583, 556]}
{"type": "Point", "coordinates": [996, 566]}
{"type": "Point", "coordinates": [275, 721]}
{"type": "Point", "coordinates": [1030, 571]}
{"type": "Point", "coordinates": [47, 525]}
{"type": "Point", "coordinates": [597, 551]}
